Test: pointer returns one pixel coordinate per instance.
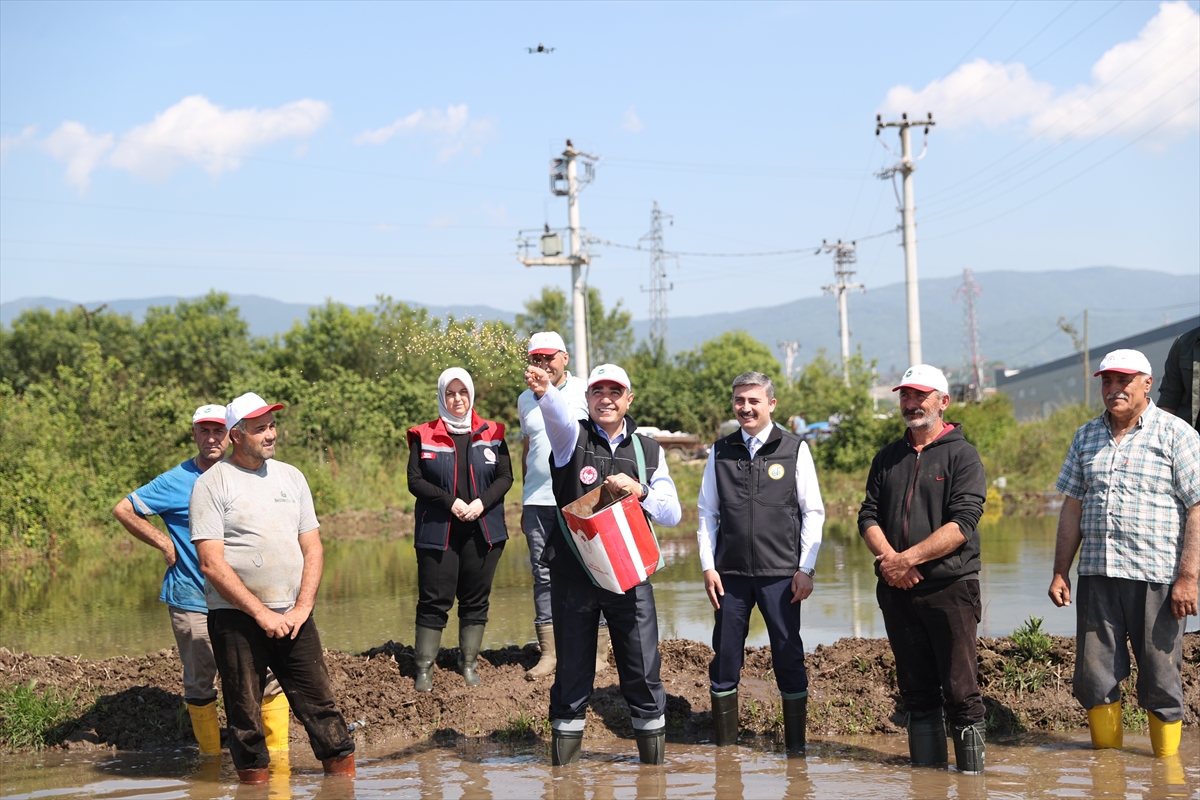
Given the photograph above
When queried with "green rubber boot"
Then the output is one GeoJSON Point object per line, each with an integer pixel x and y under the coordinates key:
{"type": "Point", "coordinates": [428, 642]}
{"type": "Point", "coordinates": [725, 718]}
{"type": "Point", "coordinates": [470, 640]}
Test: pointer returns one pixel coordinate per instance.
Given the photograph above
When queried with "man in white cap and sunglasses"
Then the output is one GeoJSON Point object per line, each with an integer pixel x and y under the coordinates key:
{"type": "Point", "coordinates": [924, 497]}
{"type": "Point", "coordinates": [585, 453]}
{"type": "Point", "coordinates": [539, 514]}
{"type": "Point", "coordinates": [257, 535]}
{"type": "Point", "coordinates": [1131, 482]}
{"type": "Point", "coordinates": [167, 497]}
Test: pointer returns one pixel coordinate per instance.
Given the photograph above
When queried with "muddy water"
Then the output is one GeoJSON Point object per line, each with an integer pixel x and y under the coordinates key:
{"type": "Point", "coordinates": [834, 767]}
{"type": "Point", "coordinates": [105, 606]}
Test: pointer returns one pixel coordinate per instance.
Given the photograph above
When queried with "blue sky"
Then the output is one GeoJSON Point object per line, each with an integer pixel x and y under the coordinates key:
{"type": "Point", "coordinates": [306, 151]}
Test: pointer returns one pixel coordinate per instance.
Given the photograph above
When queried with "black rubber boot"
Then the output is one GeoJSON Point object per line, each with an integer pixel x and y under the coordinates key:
{"type": "Point", "coordinates": [795, 724]}
{"type": "Point", "coordinates": [926, 738]}
{"type": "Point", "coordinates": [725, 718]}
{"type": "Point", "coordinates": [652, 745]}
{"type": "Point", "coordinates": [968, 748]}
{"type": "Point", "coordinates": [565, 747]}
{"type": "Point", "coordinates": [428, 642]}
{"type": "Point", "coordinates": [470, 640]}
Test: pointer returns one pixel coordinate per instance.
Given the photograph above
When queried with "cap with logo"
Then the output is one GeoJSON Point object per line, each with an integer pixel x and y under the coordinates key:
{"type": "Point", "coordinates": [248, 406]}
{"type": "Point", "coordinates": [546, 343]}
{"type": "Point", "coordinates": [924, 378]}
{"type": "Point", "coordinates": [609, 373]}
{"type": "Point", "coordinates": [209, 412]}
{"type": "Point", "coordinates": [1130, 362]}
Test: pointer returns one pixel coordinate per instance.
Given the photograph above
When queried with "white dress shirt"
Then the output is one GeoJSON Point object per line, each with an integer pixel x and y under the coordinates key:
{"type": "Point", "coordinates": [812, 509]}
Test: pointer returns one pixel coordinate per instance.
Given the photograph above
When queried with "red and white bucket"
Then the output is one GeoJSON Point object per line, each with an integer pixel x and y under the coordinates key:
{"type": "Point", "coordinates": [613, 539]}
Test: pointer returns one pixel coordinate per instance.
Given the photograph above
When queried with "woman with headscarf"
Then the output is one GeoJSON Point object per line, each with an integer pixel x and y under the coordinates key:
{"type": "Point", "coordinates": [459, 472]}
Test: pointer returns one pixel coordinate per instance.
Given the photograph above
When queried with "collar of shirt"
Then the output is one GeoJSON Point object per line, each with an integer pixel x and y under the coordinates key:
{"type": "Point", "coordinates": [761, 435]}
{"type": "Point", "coordinates": [1107, 418]}
{"type": "Point", "coordinates": [616, 440]}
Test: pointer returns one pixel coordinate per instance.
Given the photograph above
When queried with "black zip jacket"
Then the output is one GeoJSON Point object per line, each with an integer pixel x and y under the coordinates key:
{"type": "Point", "coordinates": [910, 495]}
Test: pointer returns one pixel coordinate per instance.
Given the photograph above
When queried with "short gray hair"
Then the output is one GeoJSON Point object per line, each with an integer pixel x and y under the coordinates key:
{"type": "Point", "coordinates": [755, 379]}
{"type": "Point", "coordinates": [240, 426]}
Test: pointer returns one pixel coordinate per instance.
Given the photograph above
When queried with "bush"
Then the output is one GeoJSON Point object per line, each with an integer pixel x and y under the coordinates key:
{"type": "Point", "coordinates": [31, 720]}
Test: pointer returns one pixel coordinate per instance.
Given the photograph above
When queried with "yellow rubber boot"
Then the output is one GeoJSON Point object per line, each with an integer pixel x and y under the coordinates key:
{"type": "Point", "coordinates": [208, 731]}
{"type": "Point", "coordinates": [1105, 724]}
{"type": "Point", "coordinates": [275, 716]}
{"type": "Point", "coordinates": [1164, 736]}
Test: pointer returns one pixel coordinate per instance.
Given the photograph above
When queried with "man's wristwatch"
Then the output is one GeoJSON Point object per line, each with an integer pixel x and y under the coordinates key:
{"type": "Point", "coordinates": [808, 572]}
{"type": "Point", "coordinates": [645, 493]}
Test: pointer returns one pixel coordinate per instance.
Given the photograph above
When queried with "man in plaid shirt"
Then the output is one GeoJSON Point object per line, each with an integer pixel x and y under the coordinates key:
{"type": "Point", "coordinates": [1132, 486]}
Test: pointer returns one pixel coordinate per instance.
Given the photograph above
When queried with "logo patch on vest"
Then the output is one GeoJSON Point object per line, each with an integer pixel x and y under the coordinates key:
{"type": "Point", "coordinates": [489, 456]}
{"type": "Point", "coordinates": [775, 471]}
{"type": "Point", "coordinates": [427, 456]}
{"type": "Point", "coordinates": [587, 476]}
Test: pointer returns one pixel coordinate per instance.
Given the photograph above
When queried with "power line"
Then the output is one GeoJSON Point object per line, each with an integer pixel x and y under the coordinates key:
{"type": "Point", "coordinates": [812, 251]}
{"type": "Point", "coordinates": [986, 33]}
{"type": "Point", "coordinates": [1043, 30]}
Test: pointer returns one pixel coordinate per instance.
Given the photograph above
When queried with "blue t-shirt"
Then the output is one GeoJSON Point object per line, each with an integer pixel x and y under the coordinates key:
{"type": "Point", "coordinates": [168, 496]}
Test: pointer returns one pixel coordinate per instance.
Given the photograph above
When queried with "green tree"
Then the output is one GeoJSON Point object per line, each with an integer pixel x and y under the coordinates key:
{"type": "Point", "coordinates": [200, 344]}
{"type": "Point", "coordinates": [610, 333]}
{"type": "Point", "coordinates": [333, 335]}
{"type": "Point", "coordinates": [41, 341]}
{"type": "Point", "coordinates": [547, 312]}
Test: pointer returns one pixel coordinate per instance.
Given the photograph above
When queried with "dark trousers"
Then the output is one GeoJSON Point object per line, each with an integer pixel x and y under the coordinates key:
{"type": "Point", "coordinates": [773, 596]}
{"type": "Point", "coordinates": [933, 636]}
{"type": "Point", "coordinates": [464, 570]}
{"type": "Point", "coordinates": [1111, 610]}
{"type": "Point", "coordinates": [633, 626]}
{"type": "Point", "coordinates": [243, 653]}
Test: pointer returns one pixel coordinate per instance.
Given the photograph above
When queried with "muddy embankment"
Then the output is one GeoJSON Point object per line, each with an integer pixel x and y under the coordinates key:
{"type": "Point", "coordinates": [137, 703]}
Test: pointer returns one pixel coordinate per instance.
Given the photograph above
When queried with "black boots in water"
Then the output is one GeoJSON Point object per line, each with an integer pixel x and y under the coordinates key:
{"type": "Point", "coordinates": [795, 721]}
{"type": "Point", "coordinates": [470, 640]}
{"type": "Point", "coordinates": [968, 748]}
{"type": "Point", "coordinates": [926, 737]}
{"type": "Point", "coordinates": [725, 718]}
{"type": "Point", "coordinates": [565, 747]}
{"type": "Point", "coordinates": [428, 641]}
{"type": "Point", "coordinates": [652, 744]}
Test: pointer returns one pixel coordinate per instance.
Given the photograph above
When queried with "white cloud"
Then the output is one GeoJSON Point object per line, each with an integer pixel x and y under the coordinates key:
{"type": "Point", "coordinates": [631, 122]}
{"type": "Point", "coordinates": [8, 143]}
{"type": "Point", "coordinates": [453, 129]}
{"type": "Point", "coordinates": [1136, 85]}
{"type": "Point", "coordinates": [195, 129]}
{"type": "Point", "coordinates": [80, 150]}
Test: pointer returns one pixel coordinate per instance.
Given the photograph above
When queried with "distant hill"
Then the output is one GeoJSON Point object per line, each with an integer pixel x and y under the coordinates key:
{"type": "Point", "coordinates": [1017, 315]}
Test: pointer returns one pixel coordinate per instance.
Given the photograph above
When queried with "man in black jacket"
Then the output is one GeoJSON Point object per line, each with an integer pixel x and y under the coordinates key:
{"type": "Point", "coordinates": [925, 494]}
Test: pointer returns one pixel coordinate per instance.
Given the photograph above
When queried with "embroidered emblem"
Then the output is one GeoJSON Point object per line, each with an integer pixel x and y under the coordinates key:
{"type": "Point", "coordinates": [775, 471]}
{"type": "Point", "coordinates": [587, 476]}
{"type": "Point", "coordinates": [426, 456]}
{"type": "Point", "coordinates": [489, 456]}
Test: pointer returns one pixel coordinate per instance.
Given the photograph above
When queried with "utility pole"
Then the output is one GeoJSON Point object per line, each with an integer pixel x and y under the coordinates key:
{"type": "Point", "coordinates": [565, 180]}
{"type": "Point", "coordinates": [790, 350]}
{"type": "Point", "coordinates": [844, 256]}
{"type": "Point", "coordinates": [658, 280]}
{"type": "Point", "coordinates": [973, 365]}
{"type": "Point", "coordinates": [1087, 365]}
{"type": "Point", "coordinates": [906, 167]}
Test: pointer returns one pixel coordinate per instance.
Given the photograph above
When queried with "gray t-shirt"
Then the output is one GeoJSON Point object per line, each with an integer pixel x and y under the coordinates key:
{"type": "Point", "coordinates": [260, 514]}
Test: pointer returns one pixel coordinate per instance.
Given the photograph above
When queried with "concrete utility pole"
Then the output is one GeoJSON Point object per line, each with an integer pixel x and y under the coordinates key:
{"type": "Point", "coordinates": [658, 279]}
{"type": "Point", "coordinates": [844, 255]}
{"type": "Point", "coordinates": [973, 363]}
{"type": "Point", "coordinates": [790, 351]}
{"type": "Point", "coordinates": [565, 180]}
{"type": "Point", "coordinates": [906, 167]}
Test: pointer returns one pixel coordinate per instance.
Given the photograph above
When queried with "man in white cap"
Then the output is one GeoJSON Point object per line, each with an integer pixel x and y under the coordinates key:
{"type": "Point", "coordinates": [603, 448]}
{"type": "Point", "coordinates": [1131, 482]}
{"type": "Point", "coordinates": [183, 584]}
{"type": "Point", "coordinates": [924, 497]}
{"type": "Point", "coordinates": [539, 514]}
{"type": "Point", "coordinates": [257, 535]}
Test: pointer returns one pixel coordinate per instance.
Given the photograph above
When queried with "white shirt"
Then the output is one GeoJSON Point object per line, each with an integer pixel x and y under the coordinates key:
{"type": "Point", "coordinates": [537, 489]}
{"type": "Point", "coordinates": [812, 509]}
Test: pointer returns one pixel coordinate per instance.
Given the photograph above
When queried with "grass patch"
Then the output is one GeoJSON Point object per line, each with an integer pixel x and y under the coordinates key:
{"type": "Point", "coordinates": [29, 720]}
{"type": "Point", "coordinates": [1033, 644]}
{"type": "Point", "coordinates": [522, 727]}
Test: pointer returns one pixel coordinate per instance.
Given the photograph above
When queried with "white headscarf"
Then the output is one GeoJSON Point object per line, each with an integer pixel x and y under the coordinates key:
{"type": "Point", "coordinates": [456, 424]}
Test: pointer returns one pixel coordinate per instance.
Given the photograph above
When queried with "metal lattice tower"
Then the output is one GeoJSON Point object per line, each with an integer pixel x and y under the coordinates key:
{"type": "Point", "coordinates": [659, 286]}
{"type": "Point", "coordinates": [844, 256]}
{"type": "Point", "coordinates": [973, 364]}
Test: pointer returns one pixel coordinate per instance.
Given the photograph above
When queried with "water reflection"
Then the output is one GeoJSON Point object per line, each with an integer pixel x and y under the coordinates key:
{"type": "Point", "coordinates": [874, 766]}
{"type": "Point", "coordinates": [106, 605]}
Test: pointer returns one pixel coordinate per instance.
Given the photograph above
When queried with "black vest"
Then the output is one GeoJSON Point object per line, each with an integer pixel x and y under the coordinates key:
{"type": "Point", "coordinates": [759, 531]}
{"type": "Point", "coordinates": [592, 457]}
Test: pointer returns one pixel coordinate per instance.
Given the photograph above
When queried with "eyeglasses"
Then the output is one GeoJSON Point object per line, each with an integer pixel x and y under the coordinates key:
{"type": "Point", "coordinates": [538, 359]}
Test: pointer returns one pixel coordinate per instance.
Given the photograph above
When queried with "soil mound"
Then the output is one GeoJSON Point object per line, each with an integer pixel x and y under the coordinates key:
{"type": "Point", "coordinates": [137, 703]}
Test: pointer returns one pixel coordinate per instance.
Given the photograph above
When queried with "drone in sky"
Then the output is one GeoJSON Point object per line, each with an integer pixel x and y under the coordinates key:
{"type": "Point", "coordinates": [541, 48]}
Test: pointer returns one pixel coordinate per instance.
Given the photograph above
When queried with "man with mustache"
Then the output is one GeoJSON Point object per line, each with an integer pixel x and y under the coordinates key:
{"type": "Point", "coordinates": [759, 532]}
{"type": "Point", "coordinates": [925, 495]}
{"type": "Point", "coordinates": [1131, 482]}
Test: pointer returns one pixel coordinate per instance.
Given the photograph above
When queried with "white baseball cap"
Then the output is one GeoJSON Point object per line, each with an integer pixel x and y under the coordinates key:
{"type": "Point", "coordinates": [546, 343]}
{"type": "Point", "coordinates": [925, 378]}
{"type": "Point", "coordinates": [1130, 362]}
{"type": "Point", "coordinates": [248, 406]}
{"type": "Point", "coordinates": [609, 373]}
{"type": "Point", "coordinates": [209, 413]}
